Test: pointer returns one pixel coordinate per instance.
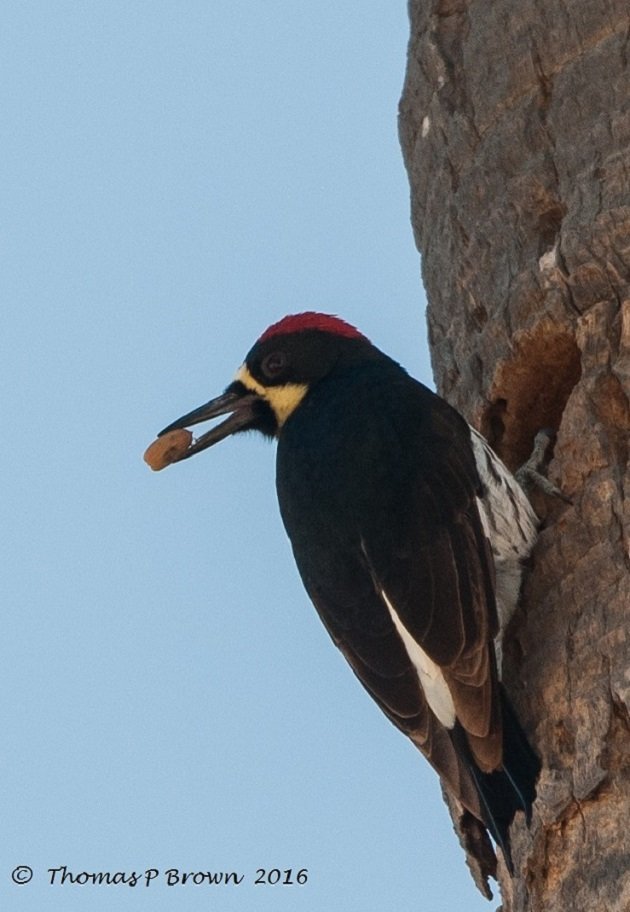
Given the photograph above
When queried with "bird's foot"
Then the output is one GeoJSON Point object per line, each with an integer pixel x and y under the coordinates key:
{"type": "Point", "coordinates": [529, 475]}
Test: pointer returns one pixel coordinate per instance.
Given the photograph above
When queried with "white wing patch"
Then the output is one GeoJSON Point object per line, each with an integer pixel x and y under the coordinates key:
{"type": "Point", "coordinates": [429, 674]}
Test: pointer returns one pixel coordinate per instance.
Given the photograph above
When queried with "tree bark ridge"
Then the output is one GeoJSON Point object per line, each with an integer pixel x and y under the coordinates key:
{"type": "Point", "coordinates": [515, 127]}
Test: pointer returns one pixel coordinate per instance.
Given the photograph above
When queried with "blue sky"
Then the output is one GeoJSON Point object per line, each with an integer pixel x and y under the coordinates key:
{"type": "Point", "coordinates": [176, 176]}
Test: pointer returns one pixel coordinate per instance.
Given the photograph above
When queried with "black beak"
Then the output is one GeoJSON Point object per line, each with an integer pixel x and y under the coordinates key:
{"type": "Point", "coordinates": [240, 402]}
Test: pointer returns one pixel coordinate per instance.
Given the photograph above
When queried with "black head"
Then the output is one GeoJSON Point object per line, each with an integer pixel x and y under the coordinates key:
{"type": "Point", "coordinates": [287, 360]}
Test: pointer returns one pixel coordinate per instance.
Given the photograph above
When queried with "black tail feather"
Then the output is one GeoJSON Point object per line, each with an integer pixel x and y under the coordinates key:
{"type": "Point", "coordinates": [520, 763]}
{"type": "Point", "coordinates": [510, 789]}
{"type": "Point", "coordinates": [494, 789]}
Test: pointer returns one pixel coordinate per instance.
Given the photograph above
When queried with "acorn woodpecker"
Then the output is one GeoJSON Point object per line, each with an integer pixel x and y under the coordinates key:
{"type": "Point", "coordinates": [410, 535]}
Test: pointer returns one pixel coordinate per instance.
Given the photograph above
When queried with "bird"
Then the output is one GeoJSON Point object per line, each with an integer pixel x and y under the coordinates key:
{"type": "Point", "coordinates": [410, 536]}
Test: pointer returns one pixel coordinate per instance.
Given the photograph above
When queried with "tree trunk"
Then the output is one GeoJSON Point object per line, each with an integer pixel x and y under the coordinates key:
{"type": "Point", "coordinates": [515, 126]}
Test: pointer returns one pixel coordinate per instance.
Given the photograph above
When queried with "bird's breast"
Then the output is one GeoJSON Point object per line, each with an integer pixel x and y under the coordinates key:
{"type": "Point", "coordinates": [338, 464]}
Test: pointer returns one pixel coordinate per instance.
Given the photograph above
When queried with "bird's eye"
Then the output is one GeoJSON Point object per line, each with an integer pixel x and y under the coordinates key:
{"type": "Point", "coordinates": [274, 364]}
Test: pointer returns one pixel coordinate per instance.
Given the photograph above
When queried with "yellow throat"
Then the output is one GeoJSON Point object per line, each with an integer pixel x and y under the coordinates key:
{"type": "Point", "coordinates": [282, 399]}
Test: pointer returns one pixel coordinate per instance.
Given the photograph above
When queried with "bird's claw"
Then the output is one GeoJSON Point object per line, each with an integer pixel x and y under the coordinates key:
{"type": "Point", "coordinates": [529, 474]}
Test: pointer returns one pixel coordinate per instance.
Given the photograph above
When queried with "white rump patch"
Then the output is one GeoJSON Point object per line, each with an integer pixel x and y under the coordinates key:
{"type": "Point", "coordinates": [429, 674]}
{"type": "Point", "coordinates": [510, 525]}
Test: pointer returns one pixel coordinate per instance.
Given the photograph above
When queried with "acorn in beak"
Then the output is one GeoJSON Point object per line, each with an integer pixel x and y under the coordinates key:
{"type": "Point", "coordinates": [176, 442]}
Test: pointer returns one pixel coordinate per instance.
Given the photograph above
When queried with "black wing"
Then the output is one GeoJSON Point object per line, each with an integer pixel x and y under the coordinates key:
{"type": "Point", "coordinates": [437, 572]}
{"type": "Point", "coordinates": [377, 486]}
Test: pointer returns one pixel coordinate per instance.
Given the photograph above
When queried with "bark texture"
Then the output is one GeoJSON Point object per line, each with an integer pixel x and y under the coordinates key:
{"type": "Point", "coordinates": [515, 127]}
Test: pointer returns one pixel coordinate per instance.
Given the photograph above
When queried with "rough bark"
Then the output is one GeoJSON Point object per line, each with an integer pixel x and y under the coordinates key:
{"type": "Point", "coordinates": [515, 126]}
